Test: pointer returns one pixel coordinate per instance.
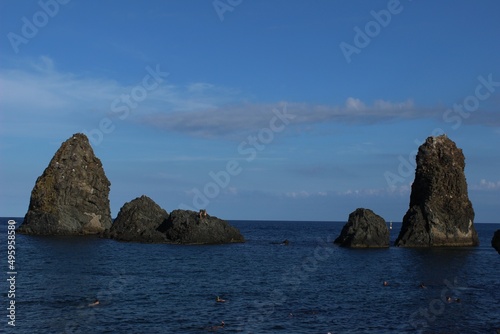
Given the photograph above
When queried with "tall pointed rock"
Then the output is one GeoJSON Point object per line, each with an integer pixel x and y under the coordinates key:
{"type": "Point", "coordinates": [71, 196]}
{"type": "Point", "coordinates": [440, 212]}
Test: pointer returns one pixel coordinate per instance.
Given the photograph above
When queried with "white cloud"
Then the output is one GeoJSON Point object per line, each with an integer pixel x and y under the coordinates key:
{"type": "Point", "coordinates": [199, 87]}
{"type": "Point", "coordinates": [386, 105]}
{"type": "Point", "coordinates": [363, 192]}
{"type": "Point", "coordinates": [44, 89]}
{"type": "Point", "coordinates": [39, 85]}
{"type": "Point", "coordinates": [250, 117]}
{"type": "Point", "coordinates": [354, 104]}
{"type": "Point", "coordinates": [403, 190]}
{"type": "Point", "coordinates": [304, 194]}
{"type": "Point", "coordinates": [486, 185]}
{"type": "Point", "coordinates": [400, 192]}
{"type": "Point", "coordinates": [40, 92]}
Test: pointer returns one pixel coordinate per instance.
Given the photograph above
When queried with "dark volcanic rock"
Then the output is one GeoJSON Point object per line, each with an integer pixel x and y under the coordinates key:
{"type": "Point", "coordinates": [440, 212]}
{"type": "Point", "coordinates": [71, 196]}
{"type": "Point", "coordinates": [495, 241]}
{"type": "Point", "coordinates": [190, 227]}
{"type": "Point", "coordinates": [138, 220]}
{"type": "Point", "coordinates": [364, 229]}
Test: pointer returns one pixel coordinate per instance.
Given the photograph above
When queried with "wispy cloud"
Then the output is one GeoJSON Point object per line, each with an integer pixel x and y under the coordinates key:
{"type": "Point", "coordinates": [247, 117]}
{"type": "Point", "coordinates": [305, 194]}
{"type": "Point", "coordinates": [405, 190]}
{"type": "Point", "coordinates": [39, 87]}
{"type": "Point", "coordinates": [486, 185]}
{"type": "Point", "coordinates": [47, 87]}
{"type": "Point", "coordinates": [201, 109]}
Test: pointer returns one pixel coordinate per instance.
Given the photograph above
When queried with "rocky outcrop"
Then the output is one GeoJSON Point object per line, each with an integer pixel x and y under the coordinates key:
{"type": "Point", "coordinates": [364, 229]}
{"type": "Point", "coordinates": [440, 212]}
{"type": "Point", "coordinates": [495, 241]}
{"type": "Point", "coordinates": [190, 227]}
{"type": "Point", "coordinates": [71, 196]}
{"type": "Point", "coordinates": [142, 220]}
{"type": "Point", "coordinates": [138, 220]}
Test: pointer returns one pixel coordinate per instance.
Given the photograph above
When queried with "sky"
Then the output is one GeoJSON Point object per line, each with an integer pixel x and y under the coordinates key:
{"type": "Point", "coordinates": [262, 109]}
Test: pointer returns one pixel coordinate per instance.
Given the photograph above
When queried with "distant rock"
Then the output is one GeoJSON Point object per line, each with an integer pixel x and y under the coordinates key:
{"type": "Point", "coordinates": [495, 241]}
{"type": "Point", "coordinates": [71, 196]}
{"type": "Point", "coordinates": [138, 221]}
{"type": "Point", "coordinates": [142, 220]}
{"type": "Point", "coordinates": [190, 227]}
{"type": "Point", "coordinates": [364, 229]}
{"type": "Point", "coordinates": [285, 242]}
{"type": "Point", "coordinates": [440, 212]}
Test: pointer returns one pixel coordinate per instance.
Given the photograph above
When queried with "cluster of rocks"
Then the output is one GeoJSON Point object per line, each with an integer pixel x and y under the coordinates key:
{"type": "Point", "coordinates": [71, 198]}
{"type": "Point", "coordinates": [142, 220]}
{"type": "Point", "coordinates": [440, 213]}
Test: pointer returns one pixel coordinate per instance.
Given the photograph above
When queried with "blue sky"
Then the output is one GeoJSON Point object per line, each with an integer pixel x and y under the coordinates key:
{"type": "Point", "coordinates": [293, 110]}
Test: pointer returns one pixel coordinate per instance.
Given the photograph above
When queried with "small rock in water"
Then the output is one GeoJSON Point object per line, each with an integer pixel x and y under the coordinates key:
{"type": "Point", "coordinates": [190, 227]}
{"type": "Point", "coordinates": [138, 220]}
{"type": "Point", "coordinates": [495, 241]}
{"type": "Point", "coordinates": [364, 229]}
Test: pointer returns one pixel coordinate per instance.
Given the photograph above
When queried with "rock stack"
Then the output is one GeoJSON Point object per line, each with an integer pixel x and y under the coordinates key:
{"type": "Point", "coordinates": [138, 220]}
{"type": "Point", "coordinates": [71, 196]}
{"type": "Point", "coordinates": [440, 212]}
{"type": "Point", "coordinates": [364, 229]}
{"type": "Point", "coordinates": [495, 241]}
{"type": "Point", "coordinates": [190, 227]}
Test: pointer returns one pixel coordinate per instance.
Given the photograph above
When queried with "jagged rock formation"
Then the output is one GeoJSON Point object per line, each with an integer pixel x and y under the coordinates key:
{"type": "Point", "coordinates": [440, 212]}
{"type": "Point", "coordinates": [190, 227]}
{"type": "Point", "coordinates": [138, 220]}
{"type": "Point", "coordinates": [71, 196]}
{"type": "Point", "coordinates": [495, 241]}
{"type": "Point", "coordinates": [364, 229]}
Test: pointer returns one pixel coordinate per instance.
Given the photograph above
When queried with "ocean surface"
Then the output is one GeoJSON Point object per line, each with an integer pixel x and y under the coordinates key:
{"type": "Point", "coordinates": [309, 286]}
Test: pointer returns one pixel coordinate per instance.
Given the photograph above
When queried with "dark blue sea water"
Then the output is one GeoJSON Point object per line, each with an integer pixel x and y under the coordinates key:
{"type": "Point", "coordinates": [310, 286]}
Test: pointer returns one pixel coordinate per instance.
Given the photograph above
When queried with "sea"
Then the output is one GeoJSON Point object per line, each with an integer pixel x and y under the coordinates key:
{"type": "Point", "coordinates": [307, 286]}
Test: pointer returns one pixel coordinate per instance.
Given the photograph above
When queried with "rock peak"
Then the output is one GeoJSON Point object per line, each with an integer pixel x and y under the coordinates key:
{"type": "Point", "coordinates": [190, 227]}
{"type": "Point", "coordinates": [495, 241]}
{"type": "Point", "coordinates": [71, 196]}
{"type": "Point", "coordinates": [440, 212]}
{"type": "Point", "coordinates": [364, 229]}
{"type": "Point", "coordinates": [138, 220]}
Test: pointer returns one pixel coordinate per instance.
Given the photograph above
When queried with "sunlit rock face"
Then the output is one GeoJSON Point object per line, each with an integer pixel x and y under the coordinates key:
{"type": "Point", "coordinates": [71, 197]}
{"type": "Point", "coordinates": [440, 212]}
